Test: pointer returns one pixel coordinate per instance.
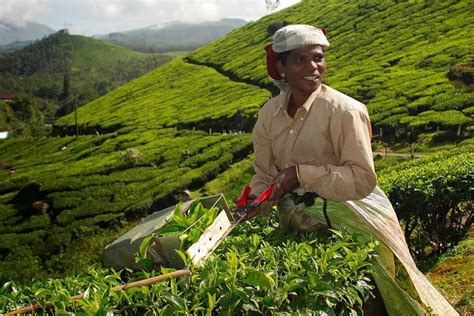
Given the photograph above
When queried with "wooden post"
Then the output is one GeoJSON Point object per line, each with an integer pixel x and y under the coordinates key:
{"type": "Point", "coordinates": [75, 115]}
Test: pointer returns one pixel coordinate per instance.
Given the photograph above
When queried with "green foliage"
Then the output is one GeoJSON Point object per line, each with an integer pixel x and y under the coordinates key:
{"type": "Point", "coordinates": [257, 269]}
{"type": "Point", "coordinates": [189, 227]}
{"type": "Point", "coordinates": [195, 94]}
{"type": "Point", "coordinates": [401, 75]}
{"type": "Point", "coordinates": [186, 226]}
{"type": "Point", "coordinates": [90, 186]}
{"type": "Point", "coordinates": [24, 116]}
{"type": "Point", "coordinates": [451, 118]}
{"type": "Point", "coordinates": [463, 72]}
{"type": "Point", "coordinates": [452, 274]}
{"type": "Point", "coordinates": [433, 198]}
{"type": "Point", "coordinates": [231, 181]}
{"type": "Point", "coordinates": [388, 55]}
{"type": "Point", "coordinates": [80, 65]}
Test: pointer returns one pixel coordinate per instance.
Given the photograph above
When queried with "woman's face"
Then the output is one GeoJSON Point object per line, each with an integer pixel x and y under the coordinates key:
{"type": "Point", "coordinates": [304, 69]}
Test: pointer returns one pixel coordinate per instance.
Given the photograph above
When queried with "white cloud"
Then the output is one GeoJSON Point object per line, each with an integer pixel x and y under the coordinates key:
{"type": "Point", "coordinates": [111, 8]}
{"type": "Point", "coordinates": [18, 12]}
{"type": "Point", "coordinates": [90, 17]}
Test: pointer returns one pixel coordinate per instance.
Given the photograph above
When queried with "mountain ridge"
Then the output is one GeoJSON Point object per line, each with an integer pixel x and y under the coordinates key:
{"type": "Point", "coordinates": [173, 36]}
{"type": "Point", "coordinates": [26, 31]}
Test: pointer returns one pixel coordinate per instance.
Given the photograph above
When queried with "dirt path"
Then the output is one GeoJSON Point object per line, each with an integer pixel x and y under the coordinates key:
{"type": "Point", "coordinates": [401, 155]}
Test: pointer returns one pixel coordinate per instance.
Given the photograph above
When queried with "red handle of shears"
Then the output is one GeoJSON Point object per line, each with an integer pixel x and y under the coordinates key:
{"type": "Point", "coordinates": [242, 200]}
{"type": "Point", "coordinates": [265, 195]}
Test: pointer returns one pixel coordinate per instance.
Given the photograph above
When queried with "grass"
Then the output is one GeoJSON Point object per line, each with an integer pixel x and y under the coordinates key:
{"type": "Point", "coordinates": [452, 275]}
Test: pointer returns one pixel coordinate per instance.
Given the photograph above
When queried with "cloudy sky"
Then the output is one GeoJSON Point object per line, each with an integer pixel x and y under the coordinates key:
{"type": "Point", "coordinates": [88, 17]}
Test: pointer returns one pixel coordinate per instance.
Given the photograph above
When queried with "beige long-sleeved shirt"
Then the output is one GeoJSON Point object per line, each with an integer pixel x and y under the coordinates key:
{"type": "Point", "coordinates": [328, 139]}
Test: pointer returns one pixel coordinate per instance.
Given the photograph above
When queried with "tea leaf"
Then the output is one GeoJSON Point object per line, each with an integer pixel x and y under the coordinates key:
{"type": "Point", "coordinates": [257, 278]}
{"type": "Point", "coordinates": [176, 301]}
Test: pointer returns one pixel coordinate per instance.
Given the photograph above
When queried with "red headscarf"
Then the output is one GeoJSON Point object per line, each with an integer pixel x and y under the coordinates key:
{"type": "Point", "coordinates": [272, 59]}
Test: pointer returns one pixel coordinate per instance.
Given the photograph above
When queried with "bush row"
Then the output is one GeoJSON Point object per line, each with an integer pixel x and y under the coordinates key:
{"type": "Point", "coordinates": [433, 198]}
{"type": "Point", "coordinates": [258, 269]}
{"type": "Point", "coordinates": [195, 93]}
{"type": "Point", "coordinates": [372, 55]}
{"type": "Point", "coordinates": [87, 182]}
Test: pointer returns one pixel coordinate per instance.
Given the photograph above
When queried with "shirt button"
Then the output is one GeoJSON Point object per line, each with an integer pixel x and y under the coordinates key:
{"type": "Point", "coordinates": [302, 118]}
{"type": "Point", "coordinates": [291, 131]}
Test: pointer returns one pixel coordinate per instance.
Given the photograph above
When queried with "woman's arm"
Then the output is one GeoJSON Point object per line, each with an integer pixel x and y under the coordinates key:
{"type": "Point", "coordinates": [264, 162]}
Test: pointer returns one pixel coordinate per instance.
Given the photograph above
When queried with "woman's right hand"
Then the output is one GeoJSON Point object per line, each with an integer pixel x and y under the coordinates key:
{"type": "Point", "coordinates": [285, 181]}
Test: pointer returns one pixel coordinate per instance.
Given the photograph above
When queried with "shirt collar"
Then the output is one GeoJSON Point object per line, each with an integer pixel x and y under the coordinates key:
{"type": "Point", "coordinates": [307, 105]}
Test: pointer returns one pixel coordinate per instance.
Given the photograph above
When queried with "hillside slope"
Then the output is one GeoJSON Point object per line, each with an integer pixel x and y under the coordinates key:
{"type": "Point", "coordinates": [177, 93]}
{"type": "Point", "coordinates": [62, 65]}
{"type": "Point", "coordinates": [94, 182]}
{"type": "Point", "coordinates": [144, 145]}
{"type": "Point", "coordinates": [410, 63]}
{"type": "Point", "coordinates": [399, 58]}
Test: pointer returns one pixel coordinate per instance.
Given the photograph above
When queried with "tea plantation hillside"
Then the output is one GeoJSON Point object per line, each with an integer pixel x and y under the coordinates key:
{"type": "Point", "coordinates": [65, 188]}
{"type": "Point", "coordinates": [61, 65]}
{"type": "Point", "coordinates": [186, 123]}
{"type": "Point", "coordinates": [411, 63]}
{"type": "Point", "coordinates": [176, 94]}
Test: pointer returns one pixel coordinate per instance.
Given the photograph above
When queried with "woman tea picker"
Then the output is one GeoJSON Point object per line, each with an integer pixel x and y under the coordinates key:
{"type": "Point", "coordinates": [313, 143]}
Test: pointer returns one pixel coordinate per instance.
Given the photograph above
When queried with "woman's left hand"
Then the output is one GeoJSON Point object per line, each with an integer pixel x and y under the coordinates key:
{"type": "Point", "coordinates": [285, 181]}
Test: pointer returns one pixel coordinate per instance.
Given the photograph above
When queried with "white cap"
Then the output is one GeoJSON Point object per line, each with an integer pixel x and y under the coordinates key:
{"type": "Point", "coordinates": [298, 35]}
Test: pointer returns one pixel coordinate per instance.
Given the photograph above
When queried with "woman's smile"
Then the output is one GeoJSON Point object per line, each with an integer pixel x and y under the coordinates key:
{"type": "Point", "coordinates": [311, 78]}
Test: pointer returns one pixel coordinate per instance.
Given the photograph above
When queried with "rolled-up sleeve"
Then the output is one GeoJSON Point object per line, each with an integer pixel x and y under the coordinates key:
{"type": "Point", "coordinates": [264, 162]}
{"type": "Point", "coordinates": [354, 177]}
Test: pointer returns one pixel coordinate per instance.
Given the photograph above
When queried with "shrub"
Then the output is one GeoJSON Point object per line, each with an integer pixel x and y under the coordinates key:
{"type": "Point", "coordinates": [433, 198]}
{"type": "Point", "coordinates": [258, 269]}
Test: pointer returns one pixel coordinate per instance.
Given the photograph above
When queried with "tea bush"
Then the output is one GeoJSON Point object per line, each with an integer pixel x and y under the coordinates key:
{"type": "Point", "coordinates": [433, 198]}
{"type": "Point", "coordinates": [87, 183]}
{"type": "Point", "coordinates": [408, 48]}
{"type": "Point", "coordinates": [196, 93]}
{"type": "Point", "coordinates": [257, 269]}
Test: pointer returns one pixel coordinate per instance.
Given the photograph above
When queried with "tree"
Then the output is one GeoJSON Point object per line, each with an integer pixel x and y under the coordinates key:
{"type": "Point", "coordinates": [21, 105]}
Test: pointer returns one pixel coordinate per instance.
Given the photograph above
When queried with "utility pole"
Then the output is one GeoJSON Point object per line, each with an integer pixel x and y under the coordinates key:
{"type": "Point", "coordinates": [75, 115]}
{"type": "Point", "coordinates": [154, 57]}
